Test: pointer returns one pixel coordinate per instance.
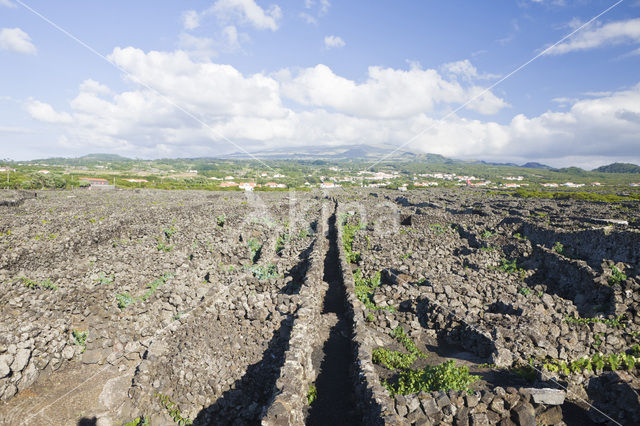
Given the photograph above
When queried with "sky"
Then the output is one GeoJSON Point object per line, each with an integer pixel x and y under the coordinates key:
{"type": "Point", "coordinates": [499, 80]}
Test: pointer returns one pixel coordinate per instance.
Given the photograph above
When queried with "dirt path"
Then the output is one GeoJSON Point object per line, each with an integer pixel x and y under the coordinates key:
{"type": "Point", "coordinates": [336, 401]}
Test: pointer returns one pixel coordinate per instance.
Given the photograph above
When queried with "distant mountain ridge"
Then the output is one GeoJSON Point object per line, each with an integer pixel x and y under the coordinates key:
{"type": "Point", "coordinates": [373, 153]}
{"type": "Point", "coordinates": [618, 168]}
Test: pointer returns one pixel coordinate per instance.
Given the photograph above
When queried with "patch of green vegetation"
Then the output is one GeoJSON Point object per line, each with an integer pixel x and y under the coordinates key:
{"type": "Point", "coordinates": [163, 247]}
{"type": "Point", "coordinates": [443, 377]}
{"type": "Point", "coordinates": [280, 242]}
{"type": "Point", "coordinates": [618, 322]}
{"type": "Point", "coordinates": [220, 220]}
{"type": "Point", "coordinates": [46, 284]}
{"type": "Point", "coordinates": [348, 235]}
{"type": "Point", "coordinates": [370, 317]}
{"type": "Point", "coordinates": [519, 236]}
{"type": "Point", "coordinates": [304, 233]}
{"type": "Point", "coordinates": [486, 234]}
{"type": "Point", "coordinates": [80, 339]}
{"type": "Point", "coordinates": [104, 279]}
{"type": "Point", "coordinates": [597, 362]}
{"type": "Point", "coordinates": [393, 360]}
{"type": "Point", "coordinates": [173, 410]}
{"type": "Point", "coordinates": [255, 248]}
{"type": "Point", "coordinates": [527, 372]}
{"type": "Point", "coordinates": [617, 276]}
{"type": "Point", "coordinates": [365, 287]}
{"type": "Point", "coordinates": [153, 286]}
{"type": "Point", "coordinates": [168, 232]}
{"type": "Point", "coordinates": [406, 255]}
{"type": "Point", "coordinates": [125, 299]}
{"type": "Point", "coordinates": [264, 272]}
{"type": "Point", "coordinates": [558, 248]}
{"type": "Point", "coordinates": [138, 421]}
{"type": "Point", "coordinates": [312, 394]}
{"type": "Point", "coordinates": [525, 291]}
{"type": "Point", "coordinates": [511, 267]}
{"type": "Point", "coordinates": [488, 248]}
{"type": "Point", "coordinates": [439, 229]}
{"type": "Point", "coordinates": [576, 195]}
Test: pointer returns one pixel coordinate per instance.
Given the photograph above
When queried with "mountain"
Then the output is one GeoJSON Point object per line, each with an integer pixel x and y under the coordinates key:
{"type": "Point", "coordinates": [342, 152]}
{"type": "Point", "coordinates": [619, 168]}
{"type": "Point", "coordinates": [534, 165]}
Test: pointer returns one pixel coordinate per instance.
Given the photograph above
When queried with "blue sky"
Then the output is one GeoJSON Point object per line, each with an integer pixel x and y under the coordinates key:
{"type": "Point", "coordinates": [228, 75]}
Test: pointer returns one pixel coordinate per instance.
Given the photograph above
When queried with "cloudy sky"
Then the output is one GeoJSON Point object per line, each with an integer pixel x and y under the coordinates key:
{"type": "Point", "coordinates": [152, 79]}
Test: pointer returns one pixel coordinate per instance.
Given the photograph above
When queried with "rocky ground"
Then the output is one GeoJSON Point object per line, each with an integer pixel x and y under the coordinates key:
{"type": "Point", "coordinates": [286, 308]}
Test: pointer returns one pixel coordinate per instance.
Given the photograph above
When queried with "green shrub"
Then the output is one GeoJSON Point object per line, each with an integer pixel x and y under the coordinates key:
{"type": "Point", "coordinates": [46, 284]}
{"type": "Point", "coordinates": [220, 220]}
{"type": "Point", "coordinates": [365, 287]}
{"type": "Point", "coordinates": [443, 377]}
{"type": "Point", "coordinates": [617, 276]}
{"type": "Point", "coordinates": [168, 232]}
{"type": "Point", "coordinates": [138, 421]}
{"type": "Point", "coordinates": [255, 248]}
{"type": "Point", "coordinates": [104, 279]}
{"type": "Point", "coordinates": [558, 248]}
{"type": "Point", "coordinates": [312, 394]}
{"type": "Point", "coordinates": [124, 300]}
{"type": "Point", "coordinates": [264, 272]}
{"type": "Point", "coordinates": [393, 360]}
{"type": "Point", "coordinates": [80, 339]}
{"type": "Point", "coordinates": [173, 410]}
{"type": "Point", "coordinates": [348, 235]}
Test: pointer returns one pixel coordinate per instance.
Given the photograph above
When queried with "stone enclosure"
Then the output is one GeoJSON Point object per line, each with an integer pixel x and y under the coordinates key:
{"type": "Point", "coordinates": [277, 308]}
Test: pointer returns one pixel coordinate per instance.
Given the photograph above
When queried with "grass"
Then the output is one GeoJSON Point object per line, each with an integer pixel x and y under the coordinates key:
{"type": "Point", "coordinates": [46, 284]}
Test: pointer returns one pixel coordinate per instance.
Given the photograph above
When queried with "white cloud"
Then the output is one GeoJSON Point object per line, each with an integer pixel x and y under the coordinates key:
{"type": "Point", "coordinates": [612, 33]}
{"type": "Point", "coordinates": [323, 108]}
{"type": "Point", "coordinates": [387, 93]}
{"type": "Point", "coordinates": [45, 112]}
{"type": "Point", "coordinates": [247, 12]}
{"type": "Point", "coordinates": [199, 47]}
{"type": "Point", "coordinates": [190, 20]}
{"type": "Point", "coordinates": [324, 7]}
{"type": "Point", "coordinates": [465, 70]}
{"type": "Point", "coordinates": [92, 86]}
{"type": "Point", "coordinates": [332, 41]}
{"type": "Point", "coordinates": [7, 3]}
{"type": "Point", "coordinates": [308, 18]}
{"type": "Point", "coordinates": [16, 40]}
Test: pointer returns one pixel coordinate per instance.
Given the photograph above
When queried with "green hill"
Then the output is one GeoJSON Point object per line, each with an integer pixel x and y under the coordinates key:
{"type": "Point", "coordinates": [619, 168]}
